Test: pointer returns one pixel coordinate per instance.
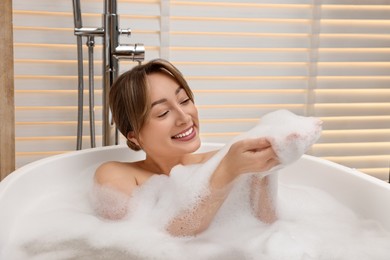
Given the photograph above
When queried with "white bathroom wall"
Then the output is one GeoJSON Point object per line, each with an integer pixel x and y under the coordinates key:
{"type": "Point", "coordinates": [329, 59]}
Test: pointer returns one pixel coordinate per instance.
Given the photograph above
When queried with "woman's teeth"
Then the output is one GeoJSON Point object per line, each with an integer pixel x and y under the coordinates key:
{"type": "Point", "coordinates": [188, 132]}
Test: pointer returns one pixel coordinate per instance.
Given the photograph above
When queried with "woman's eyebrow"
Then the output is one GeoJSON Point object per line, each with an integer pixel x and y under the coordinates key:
{"type": "Point", "coordinates": [164, 99]}
{"type": "Point", "coordinates": [159, 101]}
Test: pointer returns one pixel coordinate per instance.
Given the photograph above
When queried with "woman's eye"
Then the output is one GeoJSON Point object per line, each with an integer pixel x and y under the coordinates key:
{"type": "Point", "coordinates": [163, 114]}
{"type": "Point", "coordinates": [185, 101]}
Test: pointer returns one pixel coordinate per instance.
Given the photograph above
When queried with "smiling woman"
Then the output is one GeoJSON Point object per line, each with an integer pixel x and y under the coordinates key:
{"type": "Point", "coordinates": [154, 109]}
{"type": "Point", "coordinates": [143, 92]}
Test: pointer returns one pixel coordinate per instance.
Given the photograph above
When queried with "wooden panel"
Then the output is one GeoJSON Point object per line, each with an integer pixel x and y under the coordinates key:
{"type": "Point", "coordinates": [7, 126]}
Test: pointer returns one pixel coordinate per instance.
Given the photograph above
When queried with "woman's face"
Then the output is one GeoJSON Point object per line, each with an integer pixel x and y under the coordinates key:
{"type": "Point", "coordinates": [172, 127]}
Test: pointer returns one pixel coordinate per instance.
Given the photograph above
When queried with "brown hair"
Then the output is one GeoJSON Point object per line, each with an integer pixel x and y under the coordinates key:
{"type": "Point", "coordinates": [129, 97]}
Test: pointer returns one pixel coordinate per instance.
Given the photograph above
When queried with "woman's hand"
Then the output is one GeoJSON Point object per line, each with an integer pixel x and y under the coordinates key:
{"type": "Point", "coordinates": [250, 155]}
{"type": "Point", "coordinates": [245, 156]}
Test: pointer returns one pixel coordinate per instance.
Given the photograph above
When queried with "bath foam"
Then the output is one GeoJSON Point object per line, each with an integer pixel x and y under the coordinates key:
{"type": "Point", "coordinates": [311, 224]}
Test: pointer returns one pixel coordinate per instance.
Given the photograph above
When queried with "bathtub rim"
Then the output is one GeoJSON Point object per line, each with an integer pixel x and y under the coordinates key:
{"type": "Point", "coordinates": [347, 174]}
{"type": "Point", "coordinates": [9, 179]}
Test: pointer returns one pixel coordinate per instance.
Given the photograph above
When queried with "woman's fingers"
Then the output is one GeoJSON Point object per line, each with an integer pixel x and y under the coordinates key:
{"type": "Point", "coordinates": [266, 158]}
{"type": "Point", "coordinates": [272, 163]}
{"type": "Point", "coordinates": [255, 144]}
{"type": "Point", "coordinates": [252, 155]}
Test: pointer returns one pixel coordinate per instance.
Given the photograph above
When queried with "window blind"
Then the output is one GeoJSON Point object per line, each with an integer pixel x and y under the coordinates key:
{"type": "Point", "coordinates": [325, 58]}
{"type": "Point", "coordinates": [352, 92]}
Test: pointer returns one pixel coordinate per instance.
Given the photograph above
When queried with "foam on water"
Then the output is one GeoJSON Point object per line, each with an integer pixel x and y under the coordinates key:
{"type": "Point", "coordinates": [311, 223]}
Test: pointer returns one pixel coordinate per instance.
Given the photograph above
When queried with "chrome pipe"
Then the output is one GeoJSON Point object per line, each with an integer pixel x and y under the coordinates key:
{"type": "Point", "coordinates": [77, 14]}
{"type": "Point", "coordinates": [80, 104]}
{"type": "Point", "coordinates": [111, 7]}
{"type": "Point", "coordinates": [110, 66]}
{"type": "Point", "coordinates": [91, 45]}
{"type": "Point", "coordinates": [110, 63]}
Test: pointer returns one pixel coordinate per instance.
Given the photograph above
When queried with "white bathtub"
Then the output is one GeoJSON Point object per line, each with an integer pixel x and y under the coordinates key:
{"type": "Point", "coordinates": [367, 196]}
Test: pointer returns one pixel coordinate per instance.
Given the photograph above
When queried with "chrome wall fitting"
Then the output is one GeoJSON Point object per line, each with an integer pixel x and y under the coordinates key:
{"type": "Point", "coordinates": [113, 51]}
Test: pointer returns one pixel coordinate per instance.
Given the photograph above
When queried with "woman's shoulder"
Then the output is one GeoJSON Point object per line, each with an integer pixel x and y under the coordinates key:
{"type": "Point", "coordinates": [113, 169]}
{"type": "Point", "coordinates": [123, 176]}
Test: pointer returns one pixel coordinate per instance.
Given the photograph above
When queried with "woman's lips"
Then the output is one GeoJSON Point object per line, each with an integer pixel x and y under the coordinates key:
{"type": "Point", "coordinates": [185, 135]}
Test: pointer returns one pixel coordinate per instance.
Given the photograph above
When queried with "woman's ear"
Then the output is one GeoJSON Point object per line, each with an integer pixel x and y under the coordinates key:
{"type": "Point", "coordinates": [131, 137]}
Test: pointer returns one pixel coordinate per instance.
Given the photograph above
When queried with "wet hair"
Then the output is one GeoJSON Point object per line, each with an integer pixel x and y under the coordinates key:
{"type": "Point", "coordinates": [129, 97]}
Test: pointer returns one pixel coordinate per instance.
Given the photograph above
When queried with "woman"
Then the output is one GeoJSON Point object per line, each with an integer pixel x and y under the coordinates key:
{"type": "Point", "coordinates": [153, 107]}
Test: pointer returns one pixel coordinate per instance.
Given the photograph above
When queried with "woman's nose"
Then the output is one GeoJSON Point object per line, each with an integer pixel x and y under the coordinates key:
{"type": "Point", "coordinates": [182, 117]}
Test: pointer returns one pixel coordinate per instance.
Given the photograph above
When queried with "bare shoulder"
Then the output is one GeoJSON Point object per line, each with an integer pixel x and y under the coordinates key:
{"type": "Point", "coordinates": [121, 176]}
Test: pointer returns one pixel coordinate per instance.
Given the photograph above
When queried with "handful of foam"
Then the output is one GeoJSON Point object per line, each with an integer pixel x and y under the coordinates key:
{"type": "Point", "coordinates": [290, 135]}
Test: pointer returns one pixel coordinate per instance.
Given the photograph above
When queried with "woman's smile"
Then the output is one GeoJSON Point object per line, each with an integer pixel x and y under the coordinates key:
{"type": "Point", "coordinates": [185, 135]}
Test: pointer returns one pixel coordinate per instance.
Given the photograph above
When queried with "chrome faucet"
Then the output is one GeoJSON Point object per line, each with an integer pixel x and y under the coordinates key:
{"type": "Point", "coordinates": [113, 51]}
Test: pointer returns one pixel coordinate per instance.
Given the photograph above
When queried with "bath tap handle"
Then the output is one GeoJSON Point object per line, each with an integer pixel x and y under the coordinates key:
{"type": "Point", "coordinates": [85, 31]}
{"type": "Point", "coordinates": [125, 32]}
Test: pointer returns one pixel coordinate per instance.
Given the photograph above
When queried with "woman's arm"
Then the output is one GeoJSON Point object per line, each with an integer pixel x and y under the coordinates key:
{"type": "Point", "coordinates": [251, 155]}
{"type": "Point", "coordinates": [195, 220]}
{"type": "Point", "coordinates": [263, 197]}
{"type": "Point", "coordinates": [113, 185]}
